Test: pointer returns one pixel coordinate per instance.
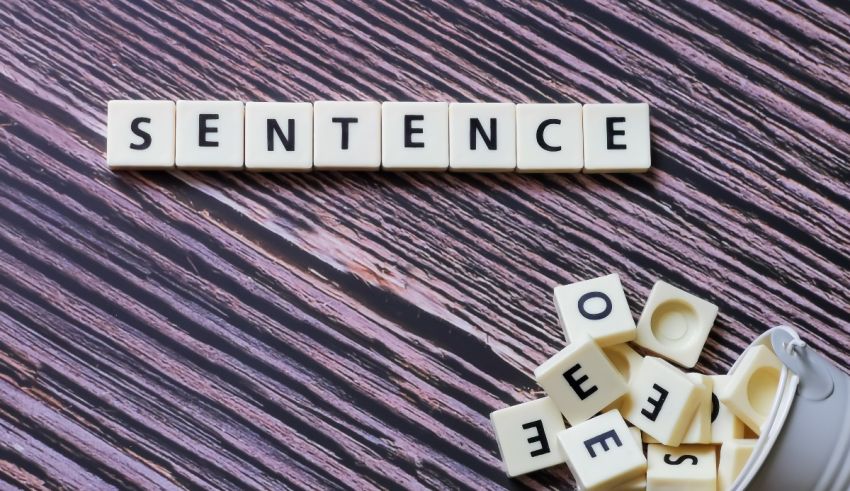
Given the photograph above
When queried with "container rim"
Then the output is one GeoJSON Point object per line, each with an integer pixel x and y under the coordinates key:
{"type": "Point", "coordinates": [772, 427]}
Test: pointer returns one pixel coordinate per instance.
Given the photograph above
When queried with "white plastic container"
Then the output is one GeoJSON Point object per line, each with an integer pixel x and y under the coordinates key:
{"type": "Point", "coordinates": [805, 442]}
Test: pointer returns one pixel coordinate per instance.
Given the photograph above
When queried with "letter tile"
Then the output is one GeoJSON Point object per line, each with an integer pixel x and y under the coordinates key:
{"type": "Point", "coordinates": [616, 138]}
{"type": "Point", "coordinates": [690, 467]}
{"type": "Point", "coordinates": [626, 361]}
{"type": "Point", "coordinates": [415, 136]}
{"type": "Point", "coordinates": [699, 430]}
{"type": "Point", "coordinates": [549, 138]}
{"type": "Point", "coordinates": [752, 385]}
{"type": "Point", "coordinates": [597, 308]}
{"type": "Point", "coordinates": [482, 137]}
{"type": "Point", "coordinates": [734, 455]}
{"type": "Point", "coordinates": [675, 324]}
{"type": "Point", "coordinates": [527, 435]}
{"type": "Point", "coordinates": [602, 453]}
{"type": "Point", "coordinates": [279, 136]}
{"type": "Point", "coordinates": [661, 401]}
{"type": "Point", "coordinates": [347, 135]}
{"type": "Point", "coordinates": [210, 135]}
{"type": "Point", "coordinates": [580, 380]}
{"type": "Point", "coordinates": [140, 135]}
{"type": "Point", "coordinates": [725, 426]}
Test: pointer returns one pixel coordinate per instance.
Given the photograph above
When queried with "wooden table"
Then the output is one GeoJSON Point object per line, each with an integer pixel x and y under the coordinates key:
{"type": "Point", "coordinates": [261, 331]}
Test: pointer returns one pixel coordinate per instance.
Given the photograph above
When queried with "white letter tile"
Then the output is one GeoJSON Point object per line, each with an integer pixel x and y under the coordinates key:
{"type": "Point", "coordinates": [661, 401]}
{"type": "Point", "coordinates": [596, 308]}
{"type": "Point", "coordinates": [602, 452]}
{"type": "Point", "coordinates": [140, 135]}
{"type": "Point", "coordinates": [210, 135]}
{"type": "Point", "coordinates": [549, 138]}
{"type": "Point", "coordinates": [688, 467]}
{"type": "Point", "coordinates": [347, 135]}
{"type": "Point", "coordinates": [482, 137]}
{"type": "Point", "coordinates": [415, 136]}
{"type": "Point", "coordinates": [279, 136]}
{"type": "Point", "coordinates": [616, 138]}
{"type": "Point", "coordinates": [527, 436]}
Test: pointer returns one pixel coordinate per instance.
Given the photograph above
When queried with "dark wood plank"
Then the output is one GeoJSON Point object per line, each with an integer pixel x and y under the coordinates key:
{"type": "Point", "coordinates": [259, 331]}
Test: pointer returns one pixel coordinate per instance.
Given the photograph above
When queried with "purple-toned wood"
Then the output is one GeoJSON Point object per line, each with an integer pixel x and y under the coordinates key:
{"type": "Point", "coordinates": [261, 331]}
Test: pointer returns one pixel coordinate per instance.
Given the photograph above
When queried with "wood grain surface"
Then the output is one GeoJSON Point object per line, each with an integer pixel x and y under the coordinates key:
{"type": "Point", "coordinates": [354, 330]}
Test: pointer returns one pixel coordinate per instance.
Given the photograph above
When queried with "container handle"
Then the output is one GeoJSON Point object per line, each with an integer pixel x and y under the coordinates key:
{"type": "Point", "coordinates": [816, 382]}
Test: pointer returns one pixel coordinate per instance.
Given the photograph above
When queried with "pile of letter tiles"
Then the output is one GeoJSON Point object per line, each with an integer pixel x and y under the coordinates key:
{"type": "Point", "coordinates": [370, 136]}
{"type": "Point", "coordinates": [699, 430]}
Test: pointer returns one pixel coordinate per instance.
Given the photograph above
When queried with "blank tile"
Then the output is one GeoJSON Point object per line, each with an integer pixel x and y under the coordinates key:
{"type": "Point", "coordinates": [734, 455]}
{"type": "Point", "coordinates": [597, 308]}
{"type": "Point", "coordinates": [415, 136]}
{"type": "Point", "coordinates": [699, 430]}
{"type": "Point", "coordinates": [210, 135]}
{"type": "Point", "coordinates": [724, 425]}
{"type": "Point", "coordinates": [347, 135]}
{"type": "Point", "coordinates": [626, 361]}
{"type": "Point", "coordinates": [279, 136]}
{"type": "Point", "coordinates": [580, 380]}
{"type": "Point", "coordinates": [687, 467]}
{"type": "Point", "coordinates": [675, 324]}
{"type": "Point", "coordinates": [751, 387]}
{"type": "Point", "coordinates": [661, 401]}
{"type": "Point", "coordinates": [527, 435]}
{"type": "Point", "coordinates": [549, 138]}
{"type": "Point", "coordinates": [616, 138]}
{"type": "Point", "coordinates": [140, 134]}
{"type": "Point", "coordinates": [482, 137]}
{"type": "Point", "coordinates": [602, 452]}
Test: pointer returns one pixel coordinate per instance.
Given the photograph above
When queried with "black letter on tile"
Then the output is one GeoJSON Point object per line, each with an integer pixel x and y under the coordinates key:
{"type": "Point", "coordinates": [656, 404]}
{"type": "Point", "coordinates": [594, 317]}
{"type": "Point", "coordinates": [288, 140]}
{"type": "Point", "coordinates": [680, 460]}
{"type": "Point", "coordinates": [409, 130]}
{"type": "Point", "coordinates": [146, 137]}
{"type": "Point", "coordinates": [602, 440]}
{"type": "Point", "coordinates": [539, 437]}
{"type": "Point", "coordinates": [541, 141]}
{"type": "Point", "coordinates": [575, 383]}
{"type": "Point", "coordinates": [345, 122]}
{"type": "Point", "coordinates": [609, 126]}
{"type": "Point", "coordinates": [715, 407]}
{"type": "Point", "coordinates": [475, 126]}
{"type": "Point", "coordinates": [203, 129]}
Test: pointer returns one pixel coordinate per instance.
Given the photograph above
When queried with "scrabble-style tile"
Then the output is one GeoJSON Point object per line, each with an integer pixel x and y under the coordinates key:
{"type": "Point", "coordinates": [734, 454]}
{"type": "Point", "coordinates": [675, 324]}
{"type": "Point", "coordinates": [699, 430]}
{"type": "Point", "coordinates": [482, 137]}
{"type": "Point", "coordinates": [616, 137]}
{"type": "Point", "coordinates": [140, 134]}
{"type": "Point", "coordinates": [690, 467]}
{"type": "Point", "coordinates": [597, 308]}
{"type": "Point", "coordinates": [725, 426]}
{"type": "Point", "coordinates": [210, 135]}
{"type": "Point", "coordinates": [527, 435]}
{"type": "Point", "coordinates": [602, 453]}
{"type": "Point", "coordinates": [279, 136]}
{"type": "Point", "coordinates": [626, 361]}
{"type": "Point", "coordinates": [415, 136]}
{"type": "Point", "coordinates": [752, 385]}
{"type": "Point", "coordinates": [580, 380]}
{"type": "Point", "coordinates": [347, 135]}
{"type": "Point", "coordinates": [661, 401]}
{"type": "Point", "coordinates": [549, 138]}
